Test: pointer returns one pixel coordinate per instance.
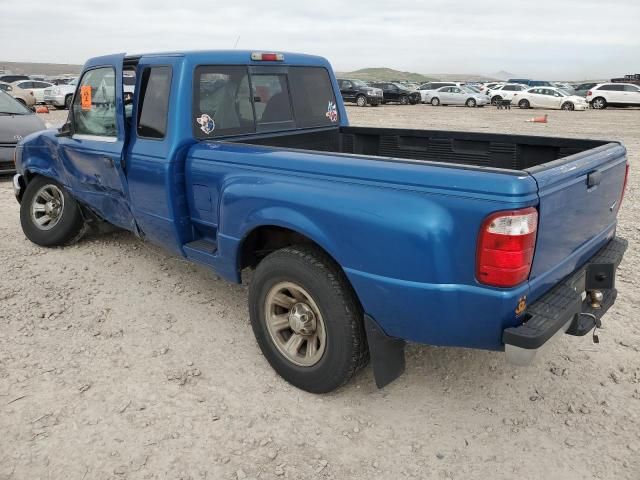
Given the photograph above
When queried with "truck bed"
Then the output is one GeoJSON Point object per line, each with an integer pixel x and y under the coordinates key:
{"type": "Point", "coordinates": [507, 152]}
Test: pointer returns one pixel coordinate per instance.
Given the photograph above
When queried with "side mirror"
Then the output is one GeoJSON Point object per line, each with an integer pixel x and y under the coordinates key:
{"type": "Point", "coordinates": [64, 130]}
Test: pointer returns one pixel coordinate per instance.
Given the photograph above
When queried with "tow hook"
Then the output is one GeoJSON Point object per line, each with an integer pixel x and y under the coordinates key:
{"type": "Point", "coordinates": [596, 297]}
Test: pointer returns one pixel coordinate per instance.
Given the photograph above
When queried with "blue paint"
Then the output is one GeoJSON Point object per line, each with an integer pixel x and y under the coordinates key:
{"type": "Point", "coordinates": [404, 233]}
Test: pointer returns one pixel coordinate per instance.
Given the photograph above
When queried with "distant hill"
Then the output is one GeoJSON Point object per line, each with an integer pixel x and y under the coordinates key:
{"type": "Point", "coordinates": [389, 74]}
{"type": "Point", "coordinates": [27, 68]}
{"type": "Point", "coordinates": [502, 75]}
{"type": "Point", "coordinates": [385, 74]}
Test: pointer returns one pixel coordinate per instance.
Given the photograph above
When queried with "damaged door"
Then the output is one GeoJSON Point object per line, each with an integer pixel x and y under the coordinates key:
{"type": "Point", "coordinates": [92, 154]}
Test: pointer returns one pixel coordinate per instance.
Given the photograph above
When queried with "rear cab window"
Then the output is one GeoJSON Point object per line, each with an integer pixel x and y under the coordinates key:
{"type": "Point", "coordinates": [232, 100]}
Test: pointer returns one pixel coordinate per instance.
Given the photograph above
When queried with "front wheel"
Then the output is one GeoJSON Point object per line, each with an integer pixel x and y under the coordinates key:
{"type": "Point", "coordinates": [306, 319]}
{"type": "Point", "coordinates": [495, 100]}
{"type": "Point", "coordinates": [568, 106]}
{"type": "Point", "coordinates": [435, 102]}
{"type": "Point", "coordinates": [67, 102]}
{"type": "Point", "coordinates": [49, 216]}
{"type": "Point", "coordinates": [471, 103]}
{"type": "Point", "coordinates": [524, 104]}
{"type": "Point", "coordinates": [361, 101]}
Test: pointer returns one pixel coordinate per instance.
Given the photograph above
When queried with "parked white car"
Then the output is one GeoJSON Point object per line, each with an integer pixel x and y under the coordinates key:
{"type": "Point", "coordinates": [549, 97]}
{"type": "Point", "coordinates": [457, 95]}
{"type": "Point", "coordinates": [614, 95]}
{"type": "Point", "coordinates": [34, 86]}
{"type": "Point", "coordinates": [505, 92]}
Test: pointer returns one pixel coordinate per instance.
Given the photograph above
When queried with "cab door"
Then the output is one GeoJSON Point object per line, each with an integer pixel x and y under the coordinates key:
{"type": "Point", "coordinates": [91, 147]}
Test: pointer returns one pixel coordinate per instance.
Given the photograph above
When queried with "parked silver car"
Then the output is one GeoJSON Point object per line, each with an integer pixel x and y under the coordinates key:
{"type": "Point", "coordinates": [457, 95]}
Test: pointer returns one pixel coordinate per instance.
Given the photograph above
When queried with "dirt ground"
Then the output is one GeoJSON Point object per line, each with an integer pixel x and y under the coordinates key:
{"type": "Point", "coordinates": [118, 360]}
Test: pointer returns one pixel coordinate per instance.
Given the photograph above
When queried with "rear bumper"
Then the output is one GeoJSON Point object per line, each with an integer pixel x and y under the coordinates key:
{"type": "Point", "coordinates": [564, 309]}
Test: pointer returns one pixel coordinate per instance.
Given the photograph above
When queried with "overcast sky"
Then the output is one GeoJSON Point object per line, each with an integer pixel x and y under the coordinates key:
{"type": "Point", "coordinates": [547, 39]}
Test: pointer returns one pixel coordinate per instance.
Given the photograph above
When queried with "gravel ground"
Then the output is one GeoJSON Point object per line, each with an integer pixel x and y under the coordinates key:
{"type": "Point", "coordinates": [118, 360]}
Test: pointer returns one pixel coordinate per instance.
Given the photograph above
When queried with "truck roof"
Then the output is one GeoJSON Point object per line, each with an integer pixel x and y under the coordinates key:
{"type": "Point", "coordinates": [228, 57]}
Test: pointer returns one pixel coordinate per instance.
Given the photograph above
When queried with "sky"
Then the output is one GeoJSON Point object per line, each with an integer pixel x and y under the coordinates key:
{"type": "Point", "coordinates": [543, 39]}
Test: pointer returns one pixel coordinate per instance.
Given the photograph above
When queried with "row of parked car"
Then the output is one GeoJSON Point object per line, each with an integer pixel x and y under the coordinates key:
{"type": "Point", "coordinates": [30, 92]}
{"type": "Point", "coordinates": [521, 92]}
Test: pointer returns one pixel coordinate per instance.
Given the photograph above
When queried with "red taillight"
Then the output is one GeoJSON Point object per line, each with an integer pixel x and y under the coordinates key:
{"type": "Point", "coordinates": [589, 93]}
{"type": "Point", "coordinates": [624, 186]}
{"type": "Point", "coordinates": [506, 244]}
{"type": "Point", "coordinates": [267, 57]}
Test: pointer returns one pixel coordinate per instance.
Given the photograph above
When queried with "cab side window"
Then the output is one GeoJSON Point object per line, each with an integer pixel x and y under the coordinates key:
{"type": "Point", "coordinates": [154, 102]}
{"type": "Point", "coordinates": [94, 107]}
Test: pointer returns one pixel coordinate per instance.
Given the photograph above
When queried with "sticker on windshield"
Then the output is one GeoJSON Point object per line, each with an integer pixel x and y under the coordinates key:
{"type": "Point", "coordinates": [85, 97]}
{"type": "Point", "coordinates": [207, 125]}
{"type": "Point", "coordinates": [332, 112]}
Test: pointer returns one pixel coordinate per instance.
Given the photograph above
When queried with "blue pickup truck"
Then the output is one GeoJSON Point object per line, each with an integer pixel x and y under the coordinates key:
{"type": "Point", "coordinates": [359, 239]}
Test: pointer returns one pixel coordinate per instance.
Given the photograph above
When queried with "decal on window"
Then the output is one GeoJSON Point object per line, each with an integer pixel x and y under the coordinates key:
{"type": "Point", "coordinates": [332, 112]}
{"type": "Point", "coordinates": [85, 97]}
{"type": "Point", "coordinates": [207, 125]}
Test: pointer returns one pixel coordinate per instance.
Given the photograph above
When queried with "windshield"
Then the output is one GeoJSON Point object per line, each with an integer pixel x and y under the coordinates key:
{"type": "Point", "coordinates": [8, 105]}
{"type": "Point", "coordinates": [359, 83]}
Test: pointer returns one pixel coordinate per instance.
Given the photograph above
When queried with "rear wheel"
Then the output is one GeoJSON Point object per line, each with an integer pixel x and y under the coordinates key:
{"type": "Point", "coordinates": [599, 103]}
{"type": "Point", "coordinates": [306, 319]}
{"type": "Point", "coordinates": [49, 215]}
{"type": "Point", "coordinates": [404, 100]}
{"type": "Point", "coordinates": [435, 101]}
{"type": "Point", "coordinates": [524, 104]}
{"type": "Point", "coordinates": [568, 106]}
{"type": "Point", "coordinates": [471, 103]}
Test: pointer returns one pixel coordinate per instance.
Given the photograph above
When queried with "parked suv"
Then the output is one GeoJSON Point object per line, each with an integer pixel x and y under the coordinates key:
{"type": "Point", "coordinates": [10, 78]}
{"type": "Point", "coordinates": [359, 92]}
{"type": "Point", "coordinates": [614, 95]}
{"type": "Point", "coordinates": [61, 95]}
{"type": "Point", "coordinates": [394, 92]}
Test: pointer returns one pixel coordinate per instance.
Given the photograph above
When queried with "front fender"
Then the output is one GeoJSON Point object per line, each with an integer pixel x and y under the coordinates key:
{"type": "Point", "coordinates": [39, 156]}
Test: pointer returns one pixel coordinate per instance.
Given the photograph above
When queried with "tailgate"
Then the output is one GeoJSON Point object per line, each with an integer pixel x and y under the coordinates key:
{"type": "Point", "coordinates": [579, 200]}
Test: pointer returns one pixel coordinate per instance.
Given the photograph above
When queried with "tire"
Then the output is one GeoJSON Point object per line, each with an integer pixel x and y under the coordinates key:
{"type": "Point", "coordinates": [524, 104]}
{"type": "Point", "coordinates": [435, 101]}
{"type": "Point", "coordinates": [361, 101]}
{"type": "Point", "coordinates": [67, 102]}
{"type": "Point", "coordinates": [495, 100]}
{"type": "Point", "coordinates": [404, 100]}
{"type": "Point", "coordinates": [471, 102]}
{"type": "Point", "coordinates": [66, 225]}
{"type": "Point", "coordinates": [567, 106]}
{"type": "Point", "coordinates": [323, 290]}
{"type": "Point", "coordinates": [599, 103]}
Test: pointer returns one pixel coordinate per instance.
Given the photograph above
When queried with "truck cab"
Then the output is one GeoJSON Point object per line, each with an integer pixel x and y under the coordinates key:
{"type": "Point", "coordinates": [360, 239]}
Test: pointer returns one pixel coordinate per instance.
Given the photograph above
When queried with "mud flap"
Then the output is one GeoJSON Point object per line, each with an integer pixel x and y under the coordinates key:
{"type": "Point", "coordinates": [387, 353]}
